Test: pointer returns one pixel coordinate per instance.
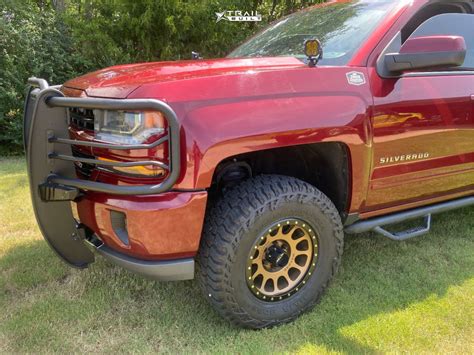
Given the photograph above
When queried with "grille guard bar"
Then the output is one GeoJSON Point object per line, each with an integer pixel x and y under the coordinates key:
{"type": "Point", "coordinates": [52, 175]}
{"type": "Point", "coordinates": [55, 99]}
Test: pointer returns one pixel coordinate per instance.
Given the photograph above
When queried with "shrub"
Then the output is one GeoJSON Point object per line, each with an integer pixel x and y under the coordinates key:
{"type": "Point", "coordinates": [60, 39]}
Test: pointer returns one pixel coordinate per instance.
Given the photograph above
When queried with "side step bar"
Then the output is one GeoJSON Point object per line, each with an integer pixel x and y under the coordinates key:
{"type": "Point", "coordinates": [376, 224]}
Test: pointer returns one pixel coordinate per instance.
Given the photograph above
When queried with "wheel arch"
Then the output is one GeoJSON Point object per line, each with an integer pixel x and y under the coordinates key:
{"type": "Point", "coordinates": [325, 165]}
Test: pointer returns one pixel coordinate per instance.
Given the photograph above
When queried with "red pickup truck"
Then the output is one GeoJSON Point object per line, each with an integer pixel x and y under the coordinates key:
{"type": "Point", "coordinates": [347, 117]}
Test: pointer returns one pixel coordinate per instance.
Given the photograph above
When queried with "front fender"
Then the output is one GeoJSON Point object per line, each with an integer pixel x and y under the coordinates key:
{"type": "Point", "coordinates": [226, 115]}
{"type": "Point", "coordinates": [218, 132]}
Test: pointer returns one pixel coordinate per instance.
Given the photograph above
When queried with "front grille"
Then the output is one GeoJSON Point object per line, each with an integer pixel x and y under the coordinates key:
{"type": "Point", "coordinates": [83, 169]}
{"type": "Point", "coordinates": [82, 118]}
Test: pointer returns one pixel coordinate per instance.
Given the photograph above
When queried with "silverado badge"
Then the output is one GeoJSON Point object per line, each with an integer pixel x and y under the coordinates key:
{"type": "Point", "coordinates": [403, 158]}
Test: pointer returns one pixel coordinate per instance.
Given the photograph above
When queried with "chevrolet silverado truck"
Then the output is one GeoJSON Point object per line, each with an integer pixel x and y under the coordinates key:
{"type": "Point", "coordinates": [346, 117]}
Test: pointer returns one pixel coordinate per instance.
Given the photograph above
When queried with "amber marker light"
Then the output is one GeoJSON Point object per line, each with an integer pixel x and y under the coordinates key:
{"type": "Point", "coordinates": [154, 119]}
{"type": "Point", "coordinates": [146, 170]}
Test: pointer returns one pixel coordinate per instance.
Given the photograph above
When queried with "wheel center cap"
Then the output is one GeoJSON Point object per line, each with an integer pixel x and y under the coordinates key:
{"type": "Point", "coordinates": [277, 256]}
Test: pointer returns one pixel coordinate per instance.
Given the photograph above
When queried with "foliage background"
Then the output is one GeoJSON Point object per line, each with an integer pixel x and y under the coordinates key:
{"type": "Point", "coordinates": [60, 39]}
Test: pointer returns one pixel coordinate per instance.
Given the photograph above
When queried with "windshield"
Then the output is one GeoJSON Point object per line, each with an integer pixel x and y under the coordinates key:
{"type": "Point", "coordinates": [341, 27]}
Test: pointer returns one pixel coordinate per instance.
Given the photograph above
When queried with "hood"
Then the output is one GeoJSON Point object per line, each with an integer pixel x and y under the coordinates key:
{"type": "Point", "coordinates": [121, 81]}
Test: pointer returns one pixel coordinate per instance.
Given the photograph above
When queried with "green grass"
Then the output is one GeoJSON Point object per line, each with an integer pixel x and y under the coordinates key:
{"type": "Point", "coordinates": [414, 296]}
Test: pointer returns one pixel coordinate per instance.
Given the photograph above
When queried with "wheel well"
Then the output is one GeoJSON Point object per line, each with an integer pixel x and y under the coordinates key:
{"type": "Point", "coordinates": [323, 165]}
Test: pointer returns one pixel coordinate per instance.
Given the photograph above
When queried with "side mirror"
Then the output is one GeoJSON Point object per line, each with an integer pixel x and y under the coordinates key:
{"type": "Point", "coordinates": [426, 53]}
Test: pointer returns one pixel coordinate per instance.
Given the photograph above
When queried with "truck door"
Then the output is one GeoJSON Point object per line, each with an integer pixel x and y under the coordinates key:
{"type": "Point", "coordinates": [423, 128]}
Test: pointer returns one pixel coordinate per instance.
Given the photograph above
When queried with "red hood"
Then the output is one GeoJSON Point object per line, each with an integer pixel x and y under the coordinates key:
{"type": "Point", "coordinates": [120, 81]}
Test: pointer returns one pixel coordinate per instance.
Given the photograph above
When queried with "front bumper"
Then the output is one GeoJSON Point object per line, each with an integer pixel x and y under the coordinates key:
{"type": "Point", "coordinates": [54, 184]}
{"type": "Point", "coordinates": [164, 270]}
{"type": "Point", "coordinates": [154, 227]}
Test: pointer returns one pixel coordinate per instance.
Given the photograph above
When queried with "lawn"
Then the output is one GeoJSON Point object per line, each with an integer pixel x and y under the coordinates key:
{"type": "Point", "coordinates": [414, 296]}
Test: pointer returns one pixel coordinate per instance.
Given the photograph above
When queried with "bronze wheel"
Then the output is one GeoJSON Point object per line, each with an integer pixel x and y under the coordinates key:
{"type": "Point", "coordinates": [271, 245]}
{"type": "Point", "coordinates": [282, 260]}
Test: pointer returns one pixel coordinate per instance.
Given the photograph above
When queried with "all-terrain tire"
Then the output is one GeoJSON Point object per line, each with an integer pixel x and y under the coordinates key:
{"type": "Point", "coordinates": [236, 221]}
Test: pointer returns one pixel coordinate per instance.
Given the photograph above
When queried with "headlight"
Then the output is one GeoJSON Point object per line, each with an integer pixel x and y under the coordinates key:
{"type": "Point", "coordinates": [127, 127]}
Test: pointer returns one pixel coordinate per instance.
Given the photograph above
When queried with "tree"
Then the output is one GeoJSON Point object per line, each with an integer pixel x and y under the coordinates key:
{"type": "Point", "coordinates": [60, 39]}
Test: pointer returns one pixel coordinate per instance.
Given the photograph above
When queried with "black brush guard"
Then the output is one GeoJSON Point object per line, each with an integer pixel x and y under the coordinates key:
{"type": "Point", "coordinates": [52, 176]}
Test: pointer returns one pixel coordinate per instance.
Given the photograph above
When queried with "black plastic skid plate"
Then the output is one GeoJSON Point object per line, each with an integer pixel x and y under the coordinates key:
{"type": "Point", "coordinates": [54, 218]}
